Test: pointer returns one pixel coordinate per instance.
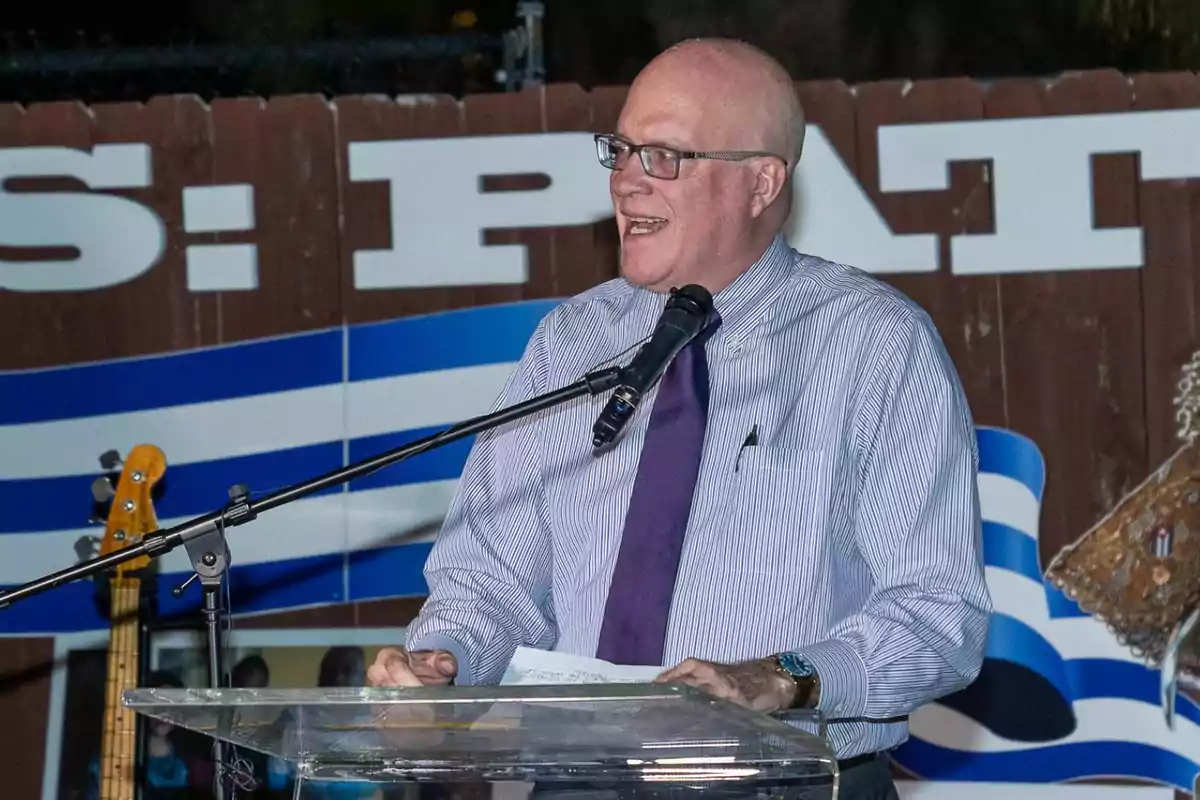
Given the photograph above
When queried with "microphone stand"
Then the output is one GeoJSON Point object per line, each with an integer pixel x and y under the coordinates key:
{"type": "Point", "coordinates": [204, 536]}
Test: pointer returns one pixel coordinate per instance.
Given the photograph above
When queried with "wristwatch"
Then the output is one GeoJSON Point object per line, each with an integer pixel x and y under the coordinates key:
{"type": "Point", "coordinates": [799, 671]}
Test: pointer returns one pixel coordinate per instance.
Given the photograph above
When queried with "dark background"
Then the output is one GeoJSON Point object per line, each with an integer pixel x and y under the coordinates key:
{"type": "Point", "coordinates": [60, 49]}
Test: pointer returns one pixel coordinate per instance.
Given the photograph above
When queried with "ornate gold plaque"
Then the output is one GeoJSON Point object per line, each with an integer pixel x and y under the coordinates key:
{"type": "Point", "coordinates": [1138, 569]}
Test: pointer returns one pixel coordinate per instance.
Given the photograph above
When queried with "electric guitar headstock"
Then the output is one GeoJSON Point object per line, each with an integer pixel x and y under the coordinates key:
{"type": "Point", "coordinates": [130, 518]}
{"type": "Point", "coordinates": [131, 514]}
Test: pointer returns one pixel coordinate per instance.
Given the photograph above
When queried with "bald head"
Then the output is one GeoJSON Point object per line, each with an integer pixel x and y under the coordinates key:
{"type": "Point", "coordinates": [746, 91]}
{"type": "Point", "coordinates": [703, 218]}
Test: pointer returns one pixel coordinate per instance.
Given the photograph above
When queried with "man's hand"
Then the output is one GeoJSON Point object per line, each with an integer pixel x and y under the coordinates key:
{"type": "Point", "coordinates": [755, 684]}
{"type": "Point", "coordinates": [395, 666]}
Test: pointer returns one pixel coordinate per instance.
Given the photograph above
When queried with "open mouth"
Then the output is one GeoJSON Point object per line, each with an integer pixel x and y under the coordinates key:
{"type": "Point", "coordinates": [641, 226]}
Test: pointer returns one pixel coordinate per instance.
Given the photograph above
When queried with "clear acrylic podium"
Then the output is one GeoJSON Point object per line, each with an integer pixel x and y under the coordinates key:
{"type": "Point", "coordinates": [614, 741]}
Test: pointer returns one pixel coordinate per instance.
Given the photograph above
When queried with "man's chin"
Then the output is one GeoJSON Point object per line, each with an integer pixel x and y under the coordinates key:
{"type": "Point", "coordinates": [647, 273]}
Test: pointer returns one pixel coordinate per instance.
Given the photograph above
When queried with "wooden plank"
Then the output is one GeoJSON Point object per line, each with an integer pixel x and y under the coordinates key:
{"type": "Point", "coordinates": [559, 258]}
{"type": "Point", "coordinates": [284, 149]}
{"type": "Point", "coordinates": [10, 122]}
{"type": "Point", "coordinates": [335, 615]}
{"type": "Point", "coordinates": [607, 102]}
{"type": "Point", "coordinates": [966, 309]}
{"type": "Point", "coordinates": [365, 206]}
{"type": "Point", "coordinates": [830, 105]}
{"type": "Point", "coordinates": [25, 667]}
{"type": "Point", "coordinates": [1170, 217]}
{"type": "Point", "coordinates": [387, 613]}
{"type": "Point", "coordinates": [26, 663]}
{"type": "Point", "coordinates": [1073, 339]}
{"type": "Point", "coordinates": [29, 341]}
{"type": "Point", "coordinates": [177, 130]}
{"type": "Point", "coordinates": [573, 265]}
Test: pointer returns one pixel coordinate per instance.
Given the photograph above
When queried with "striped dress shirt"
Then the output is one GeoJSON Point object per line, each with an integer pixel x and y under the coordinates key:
{"type": "Point", "coordinates": [849, 533]}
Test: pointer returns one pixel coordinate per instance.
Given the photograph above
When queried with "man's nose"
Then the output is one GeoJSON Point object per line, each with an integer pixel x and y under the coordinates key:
{"type": "Point", "coordinates": [630, 178]}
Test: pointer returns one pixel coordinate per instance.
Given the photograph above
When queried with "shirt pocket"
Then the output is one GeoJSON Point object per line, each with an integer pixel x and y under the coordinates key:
{"type": "Point", "coordinates": [777, 513]}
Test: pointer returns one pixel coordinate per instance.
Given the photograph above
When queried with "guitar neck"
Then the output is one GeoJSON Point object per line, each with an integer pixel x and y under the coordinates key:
{"type": "Point", "coordinates": [131, 517]}
{"type": "Point", "coordinates": [118, 757]}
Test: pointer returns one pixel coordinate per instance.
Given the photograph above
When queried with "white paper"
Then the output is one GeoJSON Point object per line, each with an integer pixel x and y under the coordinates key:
{"type": "Point", "coordinates": [533, 667]}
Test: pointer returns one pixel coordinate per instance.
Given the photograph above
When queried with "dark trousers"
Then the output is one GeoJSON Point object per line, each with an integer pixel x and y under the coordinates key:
{"type": "Point", "coordinates": [870, 780]}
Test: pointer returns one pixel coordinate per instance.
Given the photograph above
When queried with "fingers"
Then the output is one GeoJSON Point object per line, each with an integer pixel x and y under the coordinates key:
{"type": "Point", "coordinates": [377, 673]}
{"type": "Point", "coordinates": [395, 666]}
{"type": "Point", "coordinates": [685, 669]}
{"type": "Point", "coordinates": [391, 669]}
{"type": "Point", "coordinates": [433, 667]}
{"type": "Point", "coordinates": [702, 675]}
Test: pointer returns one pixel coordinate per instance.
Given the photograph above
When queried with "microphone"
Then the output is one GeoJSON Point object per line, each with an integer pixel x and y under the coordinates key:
{"type": "Point", "coordinates": [682, 320]}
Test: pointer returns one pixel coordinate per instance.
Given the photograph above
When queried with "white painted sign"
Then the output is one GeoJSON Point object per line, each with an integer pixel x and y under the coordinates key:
{"type": "Point", "coordinates": [1041, 182]}
{"type": "Point", "coordinates": [116, 239]}
{"type": "Point", "coordinates": [1040, 176]}
{"type": "Point", "coordinates": [439, 212]}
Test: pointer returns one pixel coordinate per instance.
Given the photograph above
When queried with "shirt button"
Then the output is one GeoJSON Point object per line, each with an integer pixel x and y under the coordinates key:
{"type": "Point", "coordinates": [735, 345]}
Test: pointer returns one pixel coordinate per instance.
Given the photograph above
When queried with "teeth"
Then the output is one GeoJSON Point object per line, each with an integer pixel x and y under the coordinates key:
{"type": "Point", "coordinates": [643, 225]}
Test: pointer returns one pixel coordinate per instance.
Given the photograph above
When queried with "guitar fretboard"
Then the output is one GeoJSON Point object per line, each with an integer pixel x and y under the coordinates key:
{"type": "Point", "coordinates": [119, 750]}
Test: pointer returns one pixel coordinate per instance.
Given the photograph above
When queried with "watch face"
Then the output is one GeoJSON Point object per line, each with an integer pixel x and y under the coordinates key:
{"type": "Point", "coordinates": [795, 665]}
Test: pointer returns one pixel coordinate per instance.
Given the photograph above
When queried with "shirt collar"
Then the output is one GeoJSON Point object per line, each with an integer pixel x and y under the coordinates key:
{"type": "Point", "coordinates": [742, 303]}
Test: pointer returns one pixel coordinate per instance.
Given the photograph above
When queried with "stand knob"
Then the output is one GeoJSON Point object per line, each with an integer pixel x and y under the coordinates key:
{"type": "Point", "coordinates": [178, 590]}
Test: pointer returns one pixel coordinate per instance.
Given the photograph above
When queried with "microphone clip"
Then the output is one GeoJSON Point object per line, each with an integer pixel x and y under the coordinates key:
{"type": "Point", "coordinates": [620, 408]}
{"type": "Point", "coordinates": [685, 316]}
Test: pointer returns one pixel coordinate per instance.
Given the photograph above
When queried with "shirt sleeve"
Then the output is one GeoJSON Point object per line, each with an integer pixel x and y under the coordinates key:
{"type": "Point", "coordinates": [923, 633]}
{"type": "Point", "coordinates": [489, 572]}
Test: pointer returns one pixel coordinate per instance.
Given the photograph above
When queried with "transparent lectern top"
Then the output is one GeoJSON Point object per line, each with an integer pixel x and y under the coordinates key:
{"type": "Point", "coordinates": [612, 732]}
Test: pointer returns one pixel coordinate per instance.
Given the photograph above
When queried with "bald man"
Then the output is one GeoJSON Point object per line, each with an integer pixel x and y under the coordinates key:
{"type": "Point", "coordinates": [791, 518]}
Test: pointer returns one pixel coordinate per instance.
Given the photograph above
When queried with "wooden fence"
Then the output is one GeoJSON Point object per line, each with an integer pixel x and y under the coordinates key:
{"type": "Point", "coordinates": [1083, 362]}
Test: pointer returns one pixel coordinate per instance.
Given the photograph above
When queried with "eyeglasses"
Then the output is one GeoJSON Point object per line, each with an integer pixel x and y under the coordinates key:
{"type": "Point", "coordinates": [663, 162]}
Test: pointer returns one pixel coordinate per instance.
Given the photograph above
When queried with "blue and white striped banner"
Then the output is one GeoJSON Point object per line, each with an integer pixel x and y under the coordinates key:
{"type": "Point", "coordinates": [266, 413]}
{"type": "Point", "coordinates": [1111, 699]}
{"type": "Point", "coordinates": [275, 412]}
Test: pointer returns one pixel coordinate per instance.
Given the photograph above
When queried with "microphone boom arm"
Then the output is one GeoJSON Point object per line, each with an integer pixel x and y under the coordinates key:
{"type": "Point", "coordinates": [241, 509]}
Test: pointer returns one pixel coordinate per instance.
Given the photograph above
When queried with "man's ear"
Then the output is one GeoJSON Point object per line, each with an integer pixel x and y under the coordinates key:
{"type": "Point", "coordinates": [769, 181]}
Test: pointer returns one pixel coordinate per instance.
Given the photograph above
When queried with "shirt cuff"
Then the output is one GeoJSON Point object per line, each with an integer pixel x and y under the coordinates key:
{"type": "Point", "coordinates": [440, 641]}
{"type": "Point", "coordinates": [843, 677]}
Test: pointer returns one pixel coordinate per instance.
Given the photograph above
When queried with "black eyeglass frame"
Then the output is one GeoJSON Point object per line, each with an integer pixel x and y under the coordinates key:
{"type": "Point", "coordinates": [640, 150]}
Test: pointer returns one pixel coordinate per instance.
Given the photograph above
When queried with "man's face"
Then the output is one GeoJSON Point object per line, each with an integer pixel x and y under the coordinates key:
{"type": "Point", "coordinates": [675, 232]}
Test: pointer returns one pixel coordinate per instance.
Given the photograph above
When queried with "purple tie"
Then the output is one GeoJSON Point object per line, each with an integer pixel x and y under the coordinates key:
{"type": "Point", "coordinates": [639, 598]}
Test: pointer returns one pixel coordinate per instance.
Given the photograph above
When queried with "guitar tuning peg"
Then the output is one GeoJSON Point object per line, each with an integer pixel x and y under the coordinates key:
{"type": "Point", "coordinates": [110, 459]}
{"type": "Point", "coordinates": [86, 547]}
{"type": "Point", "coordinates": [102, 489]}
